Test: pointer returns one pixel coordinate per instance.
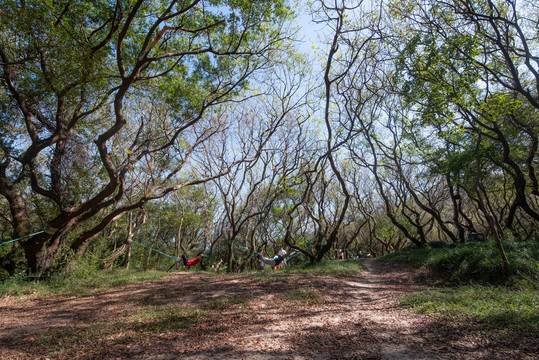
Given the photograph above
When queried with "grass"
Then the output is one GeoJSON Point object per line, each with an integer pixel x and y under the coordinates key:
{"type": "Point", "coordinates": [162, 319]}
{"type": "Point", "coordinates": [329, 267]}
{"type": "Point", "coordinates": [308, 296]}
{"type": "Point", "coordinates": [85, 280]}
{"type": "Point", "coordinates": [325, 267]}
{"type": "Point", "coordinates": [412, 255]}
{"type": "Point", "coordinates": [479, 262]}
{"type": "Point", "coordinates": [75, 285]}
{"type": "Point", "coordinates": [487, 307]}
{"type": "Point", "coordinates": [484, 296]}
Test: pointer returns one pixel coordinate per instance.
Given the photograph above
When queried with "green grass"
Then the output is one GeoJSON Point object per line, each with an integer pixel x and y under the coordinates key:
{"type": "Point", "coordinates": [308, 296]}
{"type": "Point", "coordinates": [86, 280]}
{"type": "Point", "coordinates": [412, 255]}
{"type": "Point", "coordinates": [487, 307]}
{"type": "Point", "coordinates": [77, 284]}
{"type": "Point", "coordinates": [330, 267]}
{"type": "Point", "coordinates": [476, 261]}
{"type": "Point", "coordinates": [327, 267]}
{"type": "Point", "coordinates": [484, 296]}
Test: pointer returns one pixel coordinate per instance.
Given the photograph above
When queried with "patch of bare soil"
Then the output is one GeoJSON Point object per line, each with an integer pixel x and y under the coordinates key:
{"type": "Point", "coordinates": [245, 316]}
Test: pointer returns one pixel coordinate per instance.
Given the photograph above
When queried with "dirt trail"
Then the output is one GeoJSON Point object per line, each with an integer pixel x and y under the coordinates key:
{"type": "Point", "coordinates": [358, 319]}
{"type": "Point", "coordinates": [242, 316]}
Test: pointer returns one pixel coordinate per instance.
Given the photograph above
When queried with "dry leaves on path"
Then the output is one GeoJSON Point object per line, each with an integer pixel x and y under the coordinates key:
{"type": "Point", "coordinates": [243, 316]}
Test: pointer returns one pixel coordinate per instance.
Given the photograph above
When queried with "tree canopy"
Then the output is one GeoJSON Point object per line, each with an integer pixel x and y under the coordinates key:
{"type": "Point", "coordinates": [202, 126]}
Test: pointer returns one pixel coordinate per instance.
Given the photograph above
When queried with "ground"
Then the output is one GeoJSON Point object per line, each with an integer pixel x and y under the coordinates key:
{"type": "Point", "coordinates": [246, 316]}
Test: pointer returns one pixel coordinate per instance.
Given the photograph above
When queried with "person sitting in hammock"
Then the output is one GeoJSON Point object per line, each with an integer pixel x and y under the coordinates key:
{"type": "Point", "coordinates": [191, 262]}
{"type": "Point", "coordinates": [274, 261]}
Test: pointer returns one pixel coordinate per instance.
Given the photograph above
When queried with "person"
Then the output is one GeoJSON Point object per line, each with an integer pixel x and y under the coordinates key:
{"type": "Point", "coordinates": [260, 265]}
{"type": "Point", "coordinates": [217, 267]}
{"type": "Point", "coordinates": [273, 262]}
{"type": "Point", "coordinates": [341, 255]}
{"type": "Point", "coordinates": [191, 262]}
{"type": "Point", "coordinates": [282, 253]}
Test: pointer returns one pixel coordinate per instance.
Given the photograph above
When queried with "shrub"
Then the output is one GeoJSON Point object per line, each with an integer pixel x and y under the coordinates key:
{"type": "Point", "coordinates": [492, 307]}
{"type": "Point", "coordinates": [476, 261]}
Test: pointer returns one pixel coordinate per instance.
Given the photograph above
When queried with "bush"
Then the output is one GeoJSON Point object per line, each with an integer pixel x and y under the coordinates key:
{"type": "Point", "coordinates": [440, 245]}
{"type": "Point", "coordinates": [493, 307]}
{"type": "Point", "coordinates": [479, 262]}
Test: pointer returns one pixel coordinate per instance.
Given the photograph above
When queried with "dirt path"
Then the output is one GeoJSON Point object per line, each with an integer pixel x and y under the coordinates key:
{"type": "Point", "coordinates": [356, 319]}
{"type": "Point", "coordinates": [242, 316]}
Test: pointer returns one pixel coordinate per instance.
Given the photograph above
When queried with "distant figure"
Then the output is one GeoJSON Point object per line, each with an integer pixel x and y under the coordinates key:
{"type": "Point", "coordinates": [282, 253]}
{"type": "Point", "coordinates": [273, 262]}
{"type": "Point", "coordinates": [340, 257]}
{"type": "Point", "coordinates": [217, 267]}
{"type": "Point", "coordinates": [260, 265]}
{"type": "Point", "coordinates": [191, 262]}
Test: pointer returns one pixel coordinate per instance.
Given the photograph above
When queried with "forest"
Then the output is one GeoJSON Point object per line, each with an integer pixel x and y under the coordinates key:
{"type": "Point", "coordinates": [132, 129]}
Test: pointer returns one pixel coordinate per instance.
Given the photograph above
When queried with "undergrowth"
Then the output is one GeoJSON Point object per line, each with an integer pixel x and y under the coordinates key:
{"type": "Point", "coordinates": [75, 284]}
{"type": "Point", "coordinates": [332, 267]}
{"type": "Point", "coordinates": [486, 307]}
{"type": "Point", "coordinates": [483, 296]}
{"type": "Point", "coordinates": [327, 267]}
{"type": "Point", "coordinates": [479, 262]}
{"type": "Point", "coordinates": [84, 278]}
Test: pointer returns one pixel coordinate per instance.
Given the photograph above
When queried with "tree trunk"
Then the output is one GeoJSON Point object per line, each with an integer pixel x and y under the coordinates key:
{"type": "Point", "coordinates": [230, 260]}
{"type": "Point", "coordinates": [108, 262]}
{"type": "Point", "coordinates": [38, 254]}
{"type": "Point", "coordinates": [496, 231]}
{"type": "Point", "coordinates": [492, 222]}
{"type": "Point", "coordinates": [457, 204]}
{"type": "Point", "coordinates": [129, 242]}
{"type": "Point", "coordinates": [132, 231]}
{"type": "Point", "coordinates": [179, 247]}
{"type": "Point", "coordinates": [35, 247]}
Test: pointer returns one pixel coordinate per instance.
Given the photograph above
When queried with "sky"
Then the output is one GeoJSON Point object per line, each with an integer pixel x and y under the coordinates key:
{"type": "Point", "coordinates": [309, 32]}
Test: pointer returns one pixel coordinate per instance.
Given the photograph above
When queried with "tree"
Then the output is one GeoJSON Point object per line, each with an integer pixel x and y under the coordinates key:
{"type": "Point", "coordinates": [72, 76]}
{"type": "Point", "coordinates": [475, 73]}
{"type": "Point", "coordinates": [270, 127]}
{"type": "Point", "coordinates": [344, 49]}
